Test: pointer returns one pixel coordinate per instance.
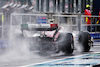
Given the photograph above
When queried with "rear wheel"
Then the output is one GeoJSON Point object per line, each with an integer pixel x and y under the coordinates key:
{"type": "Point", "coordinates": [85, 41]}
{"type": "Point", "coordinates": [67, 43]}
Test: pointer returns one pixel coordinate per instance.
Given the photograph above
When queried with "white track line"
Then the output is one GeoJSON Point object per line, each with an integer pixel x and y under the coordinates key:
{"type": "Point", "coordinates": [58, 60]}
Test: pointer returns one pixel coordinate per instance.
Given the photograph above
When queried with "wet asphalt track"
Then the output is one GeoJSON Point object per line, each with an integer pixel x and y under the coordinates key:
{"type": "Point", "coordinates": [13, 59]}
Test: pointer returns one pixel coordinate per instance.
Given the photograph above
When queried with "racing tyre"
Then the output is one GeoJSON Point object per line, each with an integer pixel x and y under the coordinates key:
{"type": "Point", "coordinates": [85, 41]}
{"type": "Point", "coordinates": [67, 44]}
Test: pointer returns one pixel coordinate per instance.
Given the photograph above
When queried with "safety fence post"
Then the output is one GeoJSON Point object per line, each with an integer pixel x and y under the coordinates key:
{"type": "Point", "coordinates": [54, 5]}
{"type": "Point", "coordinates": [68, 6]}
{"type": "Point", "coordinates": [58, 6]}
{"type": "Point", "coordinates": [72, 6]}
{"type": "Point", "coordinates": [42, 3]}
{"type": "Point", "coordinates": [63, 5]}
{"type": "Point", "coordinates": [47, 5]}
{"type": "Point", "coordinates": [76, 6]}
{"type": "Point", "coordinates": [81, 6]}
{"type": "Point", "coordinates": [79, 22]}
{"type": "Point", "coordinates": [37, 5]}
{"type": "Point", "coordinates": [89, 2]}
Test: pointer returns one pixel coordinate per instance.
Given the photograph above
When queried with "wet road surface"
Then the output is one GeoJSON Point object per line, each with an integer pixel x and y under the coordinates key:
{"type": "Point", "coordinates": [17, 59]}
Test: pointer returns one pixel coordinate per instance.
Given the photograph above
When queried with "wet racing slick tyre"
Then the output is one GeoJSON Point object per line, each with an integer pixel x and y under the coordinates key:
{"type": "Point", "coordinates": [67, 43]}
{"type": "Point", "coordinates": [85, 41]}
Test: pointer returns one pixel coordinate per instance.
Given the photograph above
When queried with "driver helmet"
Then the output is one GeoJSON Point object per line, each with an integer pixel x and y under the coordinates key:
{"type": "Point", "coordinates": [51, 20]}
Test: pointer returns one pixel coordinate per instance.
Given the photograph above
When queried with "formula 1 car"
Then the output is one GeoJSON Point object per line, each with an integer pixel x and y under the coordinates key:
{"type": "Point", "coordinates": [52, 36]}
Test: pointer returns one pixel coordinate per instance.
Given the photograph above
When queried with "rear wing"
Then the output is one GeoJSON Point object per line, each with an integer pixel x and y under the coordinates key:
{"type": "Point", "coordinates": [39, 27]}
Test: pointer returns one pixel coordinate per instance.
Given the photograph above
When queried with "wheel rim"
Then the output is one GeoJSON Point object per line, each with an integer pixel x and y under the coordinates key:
{"type": "Point", "coordinates": [72, 46]}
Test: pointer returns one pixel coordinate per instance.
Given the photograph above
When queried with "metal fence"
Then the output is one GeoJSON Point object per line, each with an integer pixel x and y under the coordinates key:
{"type": "Point", "coordinates": [22, 18]}
{"type": "Point", "coordinates": [18, 19]}
{"type": "Point", "coordinates": [66, 6]}
{"type": "Point", "coordinates": [68, 22]}
{"type": "Point", "coordinates": [79, 22]}
{"type": "Point", "coordinates": [90, 23]}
